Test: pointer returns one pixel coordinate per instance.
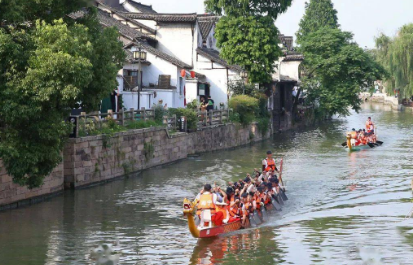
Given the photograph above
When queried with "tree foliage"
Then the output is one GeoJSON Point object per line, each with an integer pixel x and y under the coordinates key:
{"type": "Point", "coordinates": [251, 42]}
{"type": "Point", "coordinates": [318, 14]}
{"type": "Point", "coordinates": [247, 34]}
{"type": "Point", "coordinates": [271, 8]}
{"type": "Point", "coordinates": [46, 68]}
{"type": "Point", "coordinates": [336, 70]}
{"type": "Point", "coordinates": [396, 55]}
{"type": "Point", "coordinates": [335, 67]}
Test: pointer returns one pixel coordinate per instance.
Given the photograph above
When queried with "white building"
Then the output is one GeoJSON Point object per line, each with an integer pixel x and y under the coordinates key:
{"type": "Point", "coordinates": [173, 42]}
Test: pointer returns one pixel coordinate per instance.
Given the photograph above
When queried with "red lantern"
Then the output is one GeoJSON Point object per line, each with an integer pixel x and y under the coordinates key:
{"type": "Point", "coordinates": [192, 74]}
{"type": "Point", "coordinates": [183, 73]}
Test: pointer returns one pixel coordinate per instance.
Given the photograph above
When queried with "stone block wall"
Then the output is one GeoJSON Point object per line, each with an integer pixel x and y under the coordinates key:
{"type": "Point", "coordinates": [100, 158]}
{"type": "Point", "coordinates": [13, 195]}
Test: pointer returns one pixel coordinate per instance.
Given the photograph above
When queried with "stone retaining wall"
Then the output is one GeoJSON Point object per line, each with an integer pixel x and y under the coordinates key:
{"type": "Point", "coordinates": [95, 159]}
{"type": "Point", "coordinates": [100, 158]}
{"type": "Point", "coordinates": [13, 195]}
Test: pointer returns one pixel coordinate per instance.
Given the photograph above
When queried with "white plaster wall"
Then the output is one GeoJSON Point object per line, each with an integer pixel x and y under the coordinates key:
{"type": "Point", "coordinates": [158, 67]}
{"type": "Point", "coordinates": [130, 8]}
{"type": "Point", "coordinates": [176, 39]}
{"type": "Point", "coordinates": [130, 99]}
{"type": "Point", "coordinates": [211, 41]}
{"type": "Point", "coordinates": [198, 36]}
{"type": "Point", "coordinates": [217, 78]}
{"type": "Point", "coordinates": [149, 23]}
{"type": "Point", "coordinates": [191, 90]}
{"type": "Point", "coordinates": [290, 68]}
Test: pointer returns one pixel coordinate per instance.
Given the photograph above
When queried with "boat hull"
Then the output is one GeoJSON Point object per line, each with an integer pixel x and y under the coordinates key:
{"type": "Point", "coordinates": [358, 148]}
{"type": "Point", "coordinates": [218, 230]}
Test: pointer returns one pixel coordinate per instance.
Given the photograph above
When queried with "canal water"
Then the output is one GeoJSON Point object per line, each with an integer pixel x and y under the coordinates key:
{"type": "Point", "coordinates": [342, 209]}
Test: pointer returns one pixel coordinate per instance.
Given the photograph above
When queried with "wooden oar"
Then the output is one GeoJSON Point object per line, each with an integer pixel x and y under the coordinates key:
{"type": "Point", "coordinates": [275, 203]}
{"type": "Point", "coordinates": [283, 195]}
{"type": "Point", "coordinates": [371, 145]}
{"type": "Point", "coordinates": [379, 142]}
{"type": "Point", "coordinates": [344, 144]}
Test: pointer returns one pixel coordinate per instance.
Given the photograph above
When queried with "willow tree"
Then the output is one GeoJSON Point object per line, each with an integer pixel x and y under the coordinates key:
{"type": "Point", "coordinates": [247, 34]}
{"type": "Point", "coordinates": [47, 65]}
{"type": "Point", "coordinates": [396, 55]}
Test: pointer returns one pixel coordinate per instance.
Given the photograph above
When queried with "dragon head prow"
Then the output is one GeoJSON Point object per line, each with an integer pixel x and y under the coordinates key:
{"type": "Point", "coordinates": [188, 206]}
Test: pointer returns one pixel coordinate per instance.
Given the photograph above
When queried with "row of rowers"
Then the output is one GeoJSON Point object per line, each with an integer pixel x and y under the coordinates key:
{"type": "Point", "coordinates": [363, 136]}
{"type": "Point", "coordinates": [240, 199]}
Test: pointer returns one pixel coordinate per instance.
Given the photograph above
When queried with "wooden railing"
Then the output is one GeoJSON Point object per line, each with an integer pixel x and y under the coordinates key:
{"type": "Point", "coordinates": [213, 117]}
{"type": "Point", "coordinates": [85, 123]}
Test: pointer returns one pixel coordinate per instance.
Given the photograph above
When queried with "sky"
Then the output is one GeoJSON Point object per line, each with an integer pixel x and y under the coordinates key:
{"type": "Point", "coordinates": [364, 18]}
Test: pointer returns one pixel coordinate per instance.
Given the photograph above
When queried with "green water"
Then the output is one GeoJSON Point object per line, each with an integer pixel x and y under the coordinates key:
{"type": "Point", "coordinates": [343, 208]}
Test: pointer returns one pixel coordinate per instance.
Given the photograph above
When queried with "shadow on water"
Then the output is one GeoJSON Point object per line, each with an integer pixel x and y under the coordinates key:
{"type": "Point", "coordinates": [343, 208]}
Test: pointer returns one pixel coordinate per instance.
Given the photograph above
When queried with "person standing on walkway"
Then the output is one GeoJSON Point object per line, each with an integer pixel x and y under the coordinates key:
{"type": "Point", "coordinates": [210, 103]}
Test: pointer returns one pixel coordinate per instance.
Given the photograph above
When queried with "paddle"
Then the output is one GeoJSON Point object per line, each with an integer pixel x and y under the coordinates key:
{"type": "Point", "coordinates": [276, 205]}
{"type": "Point", "coordinates": [379, 142]}
{"type": "Point", "coordinates": [344, 144]}
{"type": "Point", "coordinates": [371, 145]}
{"type": "Point", "coordinates": [283, 196]}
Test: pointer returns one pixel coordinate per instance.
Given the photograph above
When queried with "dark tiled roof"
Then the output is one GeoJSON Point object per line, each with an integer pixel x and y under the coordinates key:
{"type": "Point", "coordinates": [163, 17]}
{"type": "Point", "coordinates": [293, 56]}
{"type": "Point", "coordinates": [78, 14]}
{"type": "Point", "coordinates": [206, 23]}
{"type": "Point", "coordinates": [141, 7]}
{"type": "Point", "coordinates": [288, 41]}
{"type": "Point", "coordinates": [161, 54]}
{"type": "Point", "coordinates": [286, 78]}
{"type": "Point", "coordinates": [106, 20]}
{"type": "Point", "coordinates": [113, 4]}
{"type": "Point", "coordinates": [213, 55]}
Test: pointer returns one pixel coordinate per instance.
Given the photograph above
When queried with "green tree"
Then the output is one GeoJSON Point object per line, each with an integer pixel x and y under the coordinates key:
{"type": "Point", "coordinates": [318, 14]}
{"type": "Point", "coordinates": [236, 8]}
{"type": "Point", "coordinates": [45, 70]}
{"type": "Point", "coordinates": [400, 60]}
{"type": "Point", "coordinates": [251, 42]}
{"type": "Point", "coordinates": [247, 34]}
{"type": "Point", "coordinates": [336, 70]}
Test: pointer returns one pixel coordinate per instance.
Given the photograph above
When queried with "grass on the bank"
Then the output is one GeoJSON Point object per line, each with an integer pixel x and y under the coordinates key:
{"type": "Point", "coordinates": [111, 127]}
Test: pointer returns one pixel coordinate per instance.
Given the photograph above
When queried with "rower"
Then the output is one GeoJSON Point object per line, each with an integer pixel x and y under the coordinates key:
{"type": "Point", "coordinates": [207, 208]}
{"type": "Point", "coordinates": [269, 163]}
{"type": "Point", "coordinates": [353, 134]}
{"type": "Point", "coordinates": [369, 126]}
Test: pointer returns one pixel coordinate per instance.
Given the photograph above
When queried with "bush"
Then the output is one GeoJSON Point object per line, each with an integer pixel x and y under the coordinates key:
{"type": "Point", "coordinates": [141, 124]}
{"type": "Point", "coordinates": [191, 116]}
{"type": "Point", "coordinates": [159, 113]}
{"type": "Point", "coordinates": [193, 105]}
{"type": "Point", "coordinates": [245, 106]}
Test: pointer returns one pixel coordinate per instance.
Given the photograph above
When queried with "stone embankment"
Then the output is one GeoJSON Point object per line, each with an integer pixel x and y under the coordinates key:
{"type": "Point", "coordinates": [95, 159]}
{"type": "Point", "coordinates": [13, 195]}
{"type": "Point", "coordinates": [382, 98]}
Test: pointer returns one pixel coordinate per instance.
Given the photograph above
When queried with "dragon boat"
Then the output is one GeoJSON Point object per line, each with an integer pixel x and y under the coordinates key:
{"type": "Point", "coordinates": [254, 219]}
{"type": "Point", "coordinates": [354, 148]}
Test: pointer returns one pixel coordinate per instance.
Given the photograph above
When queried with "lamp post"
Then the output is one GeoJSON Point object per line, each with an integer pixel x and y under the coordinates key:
{"type": "Point", "coordinates": [140, 56]}
{"type": "Point", "coordinates": [244, 76]}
